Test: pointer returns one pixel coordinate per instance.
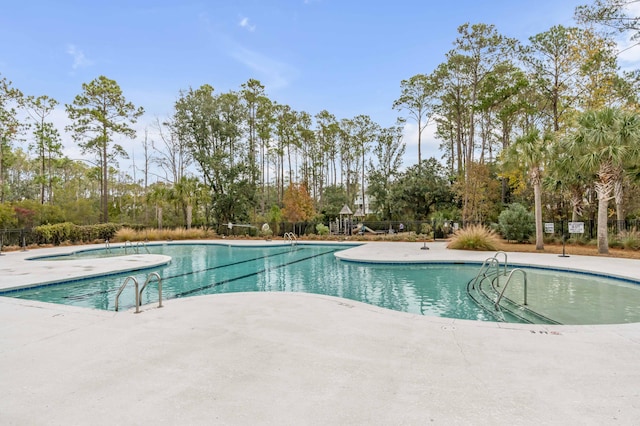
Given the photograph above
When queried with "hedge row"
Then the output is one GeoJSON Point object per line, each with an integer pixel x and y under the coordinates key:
{"type": "Point", "coordinates": [60, 232]}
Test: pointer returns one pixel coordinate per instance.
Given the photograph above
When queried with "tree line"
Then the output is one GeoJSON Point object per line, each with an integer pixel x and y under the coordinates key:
{"type": "Point", "coordinates": [549, 122]}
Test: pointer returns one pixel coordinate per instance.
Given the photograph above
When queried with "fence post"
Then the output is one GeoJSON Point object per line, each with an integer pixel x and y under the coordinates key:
{"type": "Point", "coordinates": [24, 240]}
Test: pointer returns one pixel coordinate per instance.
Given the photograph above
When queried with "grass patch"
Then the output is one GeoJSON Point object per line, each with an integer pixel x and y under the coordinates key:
{"type": "Point", "coordinates": [474, 237]}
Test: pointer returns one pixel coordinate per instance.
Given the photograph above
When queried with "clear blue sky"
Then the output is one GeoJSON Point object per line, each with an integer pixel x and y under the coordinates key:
{"type": "Point", "coordinates": [344, 56]}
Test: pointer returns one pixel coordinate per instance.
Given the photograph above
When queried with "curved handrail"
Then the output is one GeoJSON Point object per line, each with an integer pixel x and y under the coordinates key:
{"type": "Point", "coordinates": [505, 259]}
{"type": "Point", "coordinates": [124, 284]}
{"type": "Point", "coordinates": [127, 244]}
{"type": "Point", "coordinates": [291, 237]}
{"type": "Point", "coordinates": [107, 246]}
{"type": "Point", "coordinates": [484, 267]}
{"type": "Point", "coordinates": [140, 243]}
{"type": "Point", "coordinates": [147, 281]}
{"type": "Point", "coordinates": [524, 274]}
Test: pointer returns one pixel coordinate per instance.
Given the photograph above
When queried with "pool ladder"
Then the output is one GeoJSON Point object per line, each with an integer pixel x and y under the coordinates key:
{"type": "Point", "coordinates": [493, 261]}
{"type": "Point", "coordinates": [135, 247]}
{"type": "Point", "coordinates": [486, 265]}
{"type": "Point", "coordinates": [291, 237]}
{"type": "Point", "coordinates": [138, 293]}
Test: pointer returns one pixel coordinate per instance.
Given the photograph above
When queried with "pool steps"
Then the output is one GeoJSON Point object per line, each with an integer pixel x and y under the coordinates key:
{"type": "Point", "coordinates": [490, 300]}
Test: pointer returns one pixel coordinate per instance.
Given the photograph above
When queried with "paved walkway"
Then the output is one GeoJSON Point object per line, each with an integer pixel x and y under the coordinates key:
{"type": "Point", "coordinates": [292, 358]}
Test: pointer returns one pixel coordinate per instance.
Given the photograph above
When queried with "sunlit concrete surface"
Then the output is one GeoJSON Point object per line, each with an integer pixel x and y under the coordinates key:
{"type": "Point", "coordinates": [292, 358]}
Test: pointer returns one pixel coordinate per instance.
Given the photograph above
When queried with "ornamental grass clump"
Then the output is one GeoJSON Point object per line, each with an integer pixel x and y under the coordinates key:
{"type": "Point", "coordinates": [127, 234]}
{"type": "Point", "coordinates": [630, 240]}
{"type": "Point", "coordinates": [474, 237]}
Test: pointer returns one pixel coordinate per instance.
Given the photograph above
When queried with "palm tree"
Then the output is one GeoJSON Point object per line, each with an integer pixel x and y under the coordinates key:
{"type": "Point", "coordinates": [530, 152]}
{"type": "Point", "coordinates": [566, 175]}
{"type": "Point", "coordinates": [606, 141]}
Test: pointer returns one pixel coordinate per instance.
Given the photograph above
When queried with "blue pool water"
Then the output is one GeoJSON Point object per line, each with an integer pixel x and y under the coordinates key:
{"type": "Point", "coordinates": [426, 289]}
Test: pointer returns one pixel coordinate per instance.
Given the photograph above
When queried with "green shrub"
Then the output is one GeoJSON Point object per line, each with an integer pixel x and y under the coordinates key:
{"type": "Point", "coordinates": [579, 240]}
{"type": "Point", "coordinates": [516, 223]}
{"type": "Point", "coordinates": [474, 237]}
{"type": "Point", "coordinates": [426, 228]}
{"type": "Point", "coordinates": [57, 233]}
{"type": "Point", "coordinates": [322, 229]}
{"type": "Point", "coordinates": [67, 231]}
{"type": "Point", "coordinates": [552, 239]}
{"type": "Point", "coordinates": [8, 217]}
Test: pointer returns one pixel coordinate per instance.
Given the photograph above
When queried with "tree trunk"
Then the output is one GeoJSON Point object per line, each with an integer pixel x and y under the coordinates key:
{"type": "Point", "coordinates": [603, 205]}
{"type": "Point", "coordinates": [42, 174]}
{"type": "Point", "coordinates": [105, 200]}
{"type": "Point", "coordinates": [1, 171]}
{"type": "Point", "coordinates": [363, 208]}
{"type": "Point", "coordinates": [538, 213]}
{"type": "Point", "coordinates": [419, 143]}
{"type": "Point", "coordinates": [618, 196]}
{"type": "Point", "coordinates": [189, 216]}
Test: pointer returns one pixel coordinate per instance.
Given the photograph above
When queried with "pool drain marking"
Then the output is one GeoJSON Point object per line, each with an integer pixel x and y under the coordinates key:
{"type": "Point", "coordinates": [555, 333]}
{"type": "Point", "coordinates": [229, 280]}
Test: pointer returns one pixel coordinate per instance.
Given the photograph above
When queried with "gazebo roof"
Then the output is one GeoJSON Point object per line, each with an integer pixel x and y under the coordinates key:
{"type": "Point", "coordinates": [358, 213]}
{"type": "Point", "coordinates": [345, 210]}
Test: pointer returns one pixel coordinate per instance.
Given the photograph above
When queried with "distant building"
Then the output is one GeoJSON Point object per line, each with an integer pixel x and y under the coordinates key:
{"type": "Point", "coordinates": [366, 208]}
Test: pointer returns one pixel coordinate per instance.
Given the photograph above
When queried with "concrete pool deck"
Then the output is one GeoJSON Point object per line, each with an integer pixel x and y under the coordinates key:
{"type": "Point", "coordinates": [292, 358]}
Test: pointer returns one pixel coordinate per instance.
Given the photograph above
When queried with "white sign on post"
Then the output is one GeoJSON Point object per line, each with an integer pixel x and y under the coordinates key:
{"type": "Point", "coordinates": [549, 228]}
{"type": "Point", "coordinates": [576, 227]}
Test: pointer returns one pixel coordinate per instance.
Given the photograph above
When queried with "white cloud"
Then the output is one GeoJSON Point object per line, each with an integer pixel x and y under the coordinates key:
{"type": "Point", "coordinates": [633, 7]}
{"type": "Point", "coordinates": [79, 60]}
{"type": "Point", "coordinates": [244, 23]}
{"type": "Point", "coordinates": [275, 75]}
{"type": "Point", "coordinates": [629, 54]}
{"type": "Point", "coordinates": [272, 73]}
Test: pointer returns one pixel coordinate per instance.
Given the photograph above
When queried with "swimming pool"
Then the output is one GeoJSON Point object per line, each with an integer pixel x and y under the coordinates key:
{"type": "Point", "coordinates": [437, 289]}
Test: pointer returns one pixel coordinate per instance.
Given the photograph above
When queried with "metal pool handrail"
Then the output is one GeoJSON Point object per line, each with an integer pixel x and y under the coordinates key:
{"type": "Point", "coordinates": [524, 274]}
{"type": "Point", "coordinates": [483, 269]}
{"type": "Point", "coordinates": [138, 293]}
{"type": "Point", "coordinates": [140, 243]}
{"type": "Point", "coordinates": [127, 244]}
{"type": "Point", "coordinates": [124, 284]}
{"type": "Point", "coordinates": [148, 280]}
{"type": "Point", "coordinates": [291, 237]}
{"type": "Point", "coordinates": [495, 256]}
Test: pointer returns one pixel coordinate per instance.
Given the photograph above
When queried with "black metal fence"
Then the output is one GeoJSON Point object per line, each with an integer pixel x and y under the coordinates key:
{"type": "Point", "coordinates": [25, 236]}
{"type": "Point", "coordinates": [591, 227]}
{"type": "Point", "coordinates": [22, 237]}
{"type": "Point", "coordinates": [441, 228]}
